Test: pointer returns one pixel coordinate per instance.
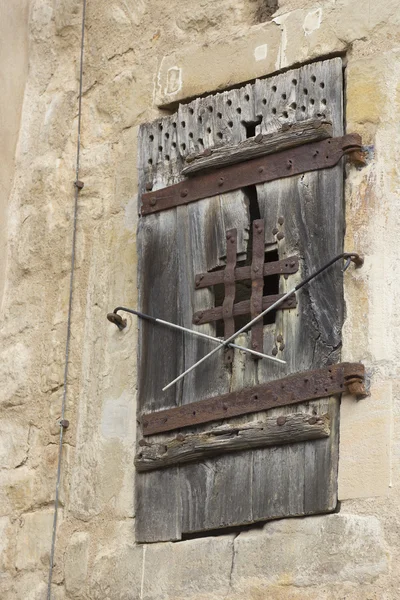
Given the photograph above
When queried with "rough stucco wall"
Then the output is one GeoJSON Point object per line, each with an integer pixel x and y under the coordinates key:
{"type": "Point", "coordinates": [131, 45]}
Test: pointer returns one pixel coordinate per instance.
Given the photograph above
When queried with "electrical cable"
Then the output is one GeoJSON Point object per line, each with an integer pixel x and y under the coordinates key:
{"type": "Point", "coordinates": [78, 186]}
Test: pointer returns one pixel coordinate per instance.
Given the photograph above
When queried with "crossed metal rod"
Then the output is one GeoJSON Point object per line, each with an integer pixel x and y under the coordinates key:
{"type": "Point", "coordinates": [115, 318]}
{"type": "Point", "coordinates": [348, 256]}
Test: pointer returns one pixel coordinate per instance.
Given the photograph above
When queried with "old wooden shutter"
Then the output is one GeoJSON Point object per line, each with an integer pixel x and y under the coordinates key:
{"type": "Point", "coordinates": [303, 217]}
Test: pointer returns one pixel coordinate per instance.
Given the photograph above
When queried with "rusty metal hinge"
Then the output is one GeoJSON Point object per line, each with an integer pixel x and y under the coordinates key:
{"type": "Point", "coordinates": [308, 157]}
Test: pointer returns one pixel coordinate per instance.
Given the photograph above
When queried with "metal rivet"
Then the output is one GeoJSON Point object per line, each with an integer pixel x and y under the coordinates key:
{"type": "Point", "coordinates": [280, 236]}
{"type": "Point", "coordinates": [221, 181]}
{"type": "Point", "coordinates": [274, 351]}
{"type": "Point", "coordinates": [233, 240]}
{"type": "Point", "coordinates": [149, 186]}
{"type": "Point", "coordinates": [260, 169]}
{"type": "Point", "coordinates": [312, 420]}
{"type": "Point", "coordinates": [281, 220]}
{"type": "Point", "coordinates": [64, 423]}
{"type": "Point", "coordinates": [184, 193]}
{"type": "Point", "coordinates": [275, 230]}
{"type": "Point", "coordinates": [254, 345]}
{"type": "Point", "coordinates": [289, 164]}
{"type": "Point", "coordinates": [281, 347]}
{"type": "Point", "coordinates": [281, 421]}
{"type": "Point", "coordinates": [228, 236]}
{"type": "Point", "coordinates": [279, 338]}
{"type": "Point", "coordinates": [293, 264]}
{"type": "Point", "coordinates": [153, 201]}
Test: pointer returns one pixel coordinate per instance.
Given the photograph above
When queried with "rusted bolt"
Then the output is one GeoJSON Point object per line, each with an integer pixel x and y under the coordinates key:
{"type": "Point", "coordinates": [275, 230]}
{"type": "Point", "coordinates": [281, 220]}
{"type": "Point", "coordinates": [274, 351]}
{"type": "Point", "coordinates": [280, 236]}
{"type": "Point", "coordinates": [149, 186]}
{"type": "Point", "coordinates": [356, 387]}
{"type": "Point", "coordinates": [260, 169]}
{"type": "Point", "coordinates": [312, 420]}
{"type": "Point", "coordinates": [279, 338]}
{"type": "Point", "coordinates": [79, 184]}
{"type": "Point", "coordinates": [281, 347]}
{"type": "Point", "coordinates": [281, 421]}
{"type": "Point", "coordinates": [221, 181]}
{"type": "Point", "coordinates": [292, 264]}
{"type": "Point", "coordinates": [64, 423]}
{"type": "Point", "coordinates": [117, 320]}
{"type": "Point", "coordinates": [184, 193]}
{"type": "Point", "coordinates": [153, 201]}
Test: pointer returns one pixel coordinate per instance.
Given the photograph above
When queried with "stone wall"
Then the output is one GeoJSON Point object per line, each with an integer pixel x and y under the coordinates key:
{"type": "Point", "coordinates": [142, 58]}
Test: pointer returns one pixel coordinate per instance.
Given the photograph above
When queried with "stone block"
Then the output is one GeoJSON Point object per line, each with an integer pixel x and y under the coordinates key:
{"type": "Point", "coordinates": [13, 444]}
{"type": "Point", "coordinates": [365, 444]}
{"type": "Point", "coordinates": [16, 490]}
{"type": "Point", "coordinates": [4, 523]}
{"type": "Point", "coordinates": [188, 569]}
{"type": "Point", "coordinates": [192, 71]}
{"type": "Point", "coordinates": [14, 364]}
{"type": "Point", "coordinates": [76, 563]}
{"type": "Point", "coordinates": [324, 550]}
{"type": "Point", "coordinates": [117, 572]}
{"type": "Point", "coordinates": [34, 540]}
{"type": "Point", "coordinates": [365, 95]}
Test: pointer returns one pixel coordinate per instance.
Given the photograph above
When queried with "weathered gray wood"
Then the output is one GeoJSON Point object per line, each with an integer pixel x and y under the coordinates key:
{"type": "Point", "coordinates": [248, 485]}
{"type": "Point", "coordinates": [289, 136]}
{"type": "Point", "coordinates": [308, 211]}
{"type": "Point", "coordinates": [209, 220]}
{"type": "Point", "coordinates": [271, 431]}
{"type": "Point", "coordinates": [158, 507]}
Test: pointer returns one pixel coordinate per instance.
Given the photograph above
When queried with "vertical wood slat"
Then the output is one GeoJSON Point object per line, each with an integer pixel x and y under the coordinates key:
{"type": "Point", "coordinates": [158, 503]}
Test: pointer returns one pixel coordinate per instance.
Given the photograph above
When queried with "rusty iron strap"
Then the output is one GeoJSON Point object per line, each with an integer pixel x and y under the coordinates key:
{"type": "Point", "coordinates": [230, 290]}
{"type": "Point", "coordinates": [301, 387]}
{"type": "Point", "coordinates": [308, 157]}
{"type": "Point", "coordinates": [288, 266]}
{"type": "Point", "coordinates": [257, 283]}
{"type": "Point", "coordinates": [208, 315]}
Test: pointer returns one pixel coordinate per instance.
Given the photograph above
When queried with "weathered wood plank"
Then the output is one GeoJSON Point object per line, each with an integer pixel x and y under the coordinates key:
{"type": "Point", "coordinates": [203, 485]}
{"type": "Point", "coordinates": [271, 431]}
{"type": "Point", "coordinates": [305, 218]}
{"type": "Point", "coordinates": [289, 136]}
{"type": "Point", "coordinates": [158, 509]}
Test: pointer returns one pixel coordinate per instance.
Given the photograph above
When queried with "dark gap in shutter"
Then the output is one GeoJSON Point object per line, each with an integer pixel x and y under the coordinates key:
{"type": "Point", "coordinates": [250, 127]}
{"type": "Point", "coordinates": [271, 285]}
